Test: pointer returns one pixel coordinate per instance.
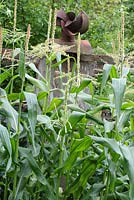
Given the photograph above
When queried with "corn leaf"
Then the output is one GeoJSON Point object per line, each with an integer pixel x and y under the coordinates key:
{"type": "Point", "coordinates": [54, 104]}
{"type": "Point", "coordinates": [44, 119]}
{"type": "Point", "coordinates": [78, 145]}
{"type": "Point", "coordinates": [4, 136]}
{"type": "Point", "coordinates": [106, 73]}
{"type": "Point", "coordinates": [75, 117]}
{"type": "Point", "coordinates": [32, 105]}
{"type": "Point", "coordinates": [85, 82]}
{"type": "Point", "coordinates": [11, 113]}
{"type": "Point", "coordinates": [123, 119]}
{"type": "Point", "coordinates": [118, 89]}
{"type": "Point", "coordinates": [34, 68]}
{"type": "Point", "coordinates": [38, 83]}
{"type": "Point", "coordinates": [26, 153]}
{"type": "Point", "coordinates": [110, 143]}
{"type": "Point", "coordinates": [5, 75]}
{"type": "Point", "coordinates": [128, 156]}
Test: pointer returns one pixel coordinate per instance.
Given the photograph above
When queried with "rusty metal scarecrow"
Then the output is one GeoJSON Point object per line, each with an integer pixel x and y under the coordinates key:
{"type": "Point", "coordinates": [71, 24]}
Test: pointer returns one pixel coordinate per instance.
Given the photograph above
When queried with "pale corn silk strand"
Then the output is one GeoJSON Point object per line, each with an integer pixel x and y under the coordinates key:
{"type": "Point", "coordinates": [78, 59]}
{"type": "Point", "coordinates": [27, 37]}
{"type": "Point", "coordinates": [1, 43]}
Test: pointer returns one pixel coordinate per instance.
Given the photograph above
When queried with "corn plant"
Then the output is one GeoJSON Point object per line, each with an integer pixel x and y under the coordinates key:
{"type": "Point", "coordinates": [65, 149]}
{"type": "Point", "coordinates": [75, 146]}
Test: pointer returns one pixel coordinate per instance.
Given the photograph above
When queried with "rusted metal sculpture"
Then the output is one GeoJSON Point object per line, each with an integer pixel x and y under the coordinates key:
{"type": "Point", "coordinates": [71, 24]}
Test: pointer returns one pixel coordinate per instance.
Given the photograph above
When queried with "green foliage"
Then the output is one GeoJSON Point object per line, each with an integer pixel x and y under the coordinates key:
{"type": "Point", "coordinates": [28, 12]}
{"type": "Point", "coordinates": [65, 147]}
{"type": "Point", "coordinates": [104, 17]}
{"type": "Point", "coordinates": [57, 149]}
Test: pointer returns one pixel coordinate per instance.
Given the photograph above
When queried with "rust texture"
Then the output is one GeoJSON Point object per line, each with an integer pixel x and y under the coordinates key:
{"type": "Point", "coordinates": [71, 24]}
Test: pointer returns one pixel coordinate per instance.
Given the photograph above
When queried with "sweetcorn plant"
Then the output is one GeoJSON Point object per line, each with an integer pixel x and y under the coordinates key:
{"type": "Point", "coordinates": [64, 146]}
{"type": "Point", "coordinates": [61, 147]}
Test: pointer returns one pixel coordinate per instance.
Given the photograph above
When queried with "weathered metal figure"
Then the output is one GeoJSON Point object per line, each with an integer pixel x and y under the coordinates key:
{"type": "Point", "coordinates": [71, 24]}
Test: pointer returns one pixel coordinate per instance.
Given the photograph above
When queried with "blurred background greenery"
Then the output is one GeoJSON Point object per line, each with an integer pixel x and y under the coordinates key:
{"type": "Point", "coordinates": [104, 16]}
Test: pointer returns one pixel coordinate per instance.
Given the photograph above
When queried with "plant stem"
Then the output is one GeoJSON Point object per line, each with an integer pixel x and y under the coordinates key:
{"type": "Point", "coordinates": [107, 187]}
{"type": "Point", "coordinates": [78, 59]}
{"type": "Point", "coordinates": [60, 163]}
{"type": "Point", "coordinates": [16, 168]}
{"type": "Point", "coordinates": [15, 15]}
{"type": "Point", "coordinates": [17, 142]}
{"type": "Point", "coordinates": [48, 78]}
{"type": "Point", "coordinates": [131, 124]}
{"type": "Point", "coordinates": [49, 26]}
{"type": "Point", "coordinates": [1, 42]}
{"type": "Point", "coordinates": [57, 190]}
{"type": "Point", "coordinates": [6, 189]}
{"type": "Point", "coordinates": [12, 72]}
{"type": "Point", "coordinates": [14, 31]}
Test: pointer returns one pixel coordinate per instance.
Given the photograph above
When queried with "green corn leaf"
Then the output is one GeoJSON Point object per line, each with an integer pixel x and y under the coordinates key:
{"type": "Point", "coordinates": [9, 83]}
{"type": "Point", "coordinates": [95, 190]}
{"type": "Point", "coordinates": [75, 117]}
{"type": "Point", "coordinates": [24, 174]}
{"type": "Point", "coordinates": [118, 89]}
{"type": "Point", "coordinates": [11, 113]}
{"type": "Point", "coordinates": [132, 122]}
{"type": "Point", "coordinates": [110, 143]}
{"type": "Point", "coordinates": [59, 63]}
{"type": "Point", "coordinates": [91, 89]}
{"type": "Point", "coordinates": [92, 118]}
{"type": "Point", "coordinates": [75, 107]}
{"type": "Point", "coordinates": [88, 98]}
{"type": "Point", "coordinates": [128, 136]}
{"type": "Point", "coordinates": [54, 104]}
{"type": "Point", "coordinates": [15, 96]}
{"type": "Point", "coordinates": [5, 75]}
{"type": "Point", "coordinates": [122, 195]}
{"type": "Point", "coordinates": [70, 161]}
{"type": "Point", "coordinates": [50, 58]}
{"type": "Point", "coordinates": [81, 144]}
{"type": "Point", "coordinates": [26, 153]}
{"type": "Point", "coordinates": [108, 126]}
{"type": "Point", "coordinates": [123, 119]}
{"type": "Point", "coordinates": [4, 136]}
{"type": "Point", "coordinates": [32, 105]}
{"type": "Point", "coordinates": [78, 146]}
{"type": "Point", "coordinates": [126, 153]}
{"type": "Point", "coordinates": [113, 72]}
{"type": "Point", "coordinates": [128, 105]}
{"type": "Point", "coordinates": [87, 170]}
{"type": "Point", "coordinates": [106, 72]}
{"type": "Point", "coordinates": [44, 119]}
{"type": "Point", "coordinates": [41, 95]}
{"type": "Point", "coordinates": [99, 109]}
{"type": "Point", "coordinates": [128, 156]}
{"type": "Point", "coordinates": [34, 68]}
{"type": "Point", "coordinates": [38, 83]}
{"type": "Point", "coordinates": [85, 82]}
